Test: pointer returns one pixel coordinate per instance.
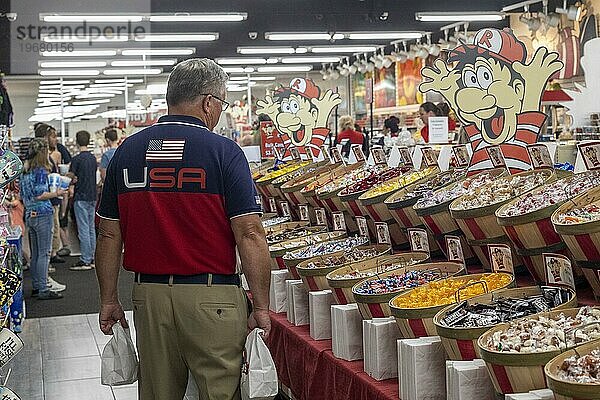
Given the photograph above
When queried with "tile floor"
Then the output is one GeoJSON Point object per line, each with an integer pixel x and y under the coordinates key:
{"type": "Point", "coordinates": [61, 360]}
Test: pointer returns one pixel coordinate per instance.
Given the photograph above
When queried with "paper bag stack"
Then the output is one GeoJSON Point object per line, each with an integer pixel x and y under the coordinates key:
{"type": "Point", "coordinates": [277, 291]}
{"type": "Point", "coordinates": [468, 380]}
{"type": "Point", "coordinates": [319, 306]}
{"type": "Point", "coordinates": [421, 369]}
{"type": "Point", "coordinates": [346, 332]}
{"type": "Point", "coordinates": [297, 302]}
{"type": "Point", "coordinates": [540, 394]}
{"type": "Point", "coordinates": [379, 344]}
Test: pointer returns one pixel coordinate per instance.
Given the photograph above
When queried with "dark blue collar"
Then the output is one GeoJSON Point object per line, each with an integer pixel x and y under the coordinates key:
{"type": "Point", "coordinates": [182, 118]}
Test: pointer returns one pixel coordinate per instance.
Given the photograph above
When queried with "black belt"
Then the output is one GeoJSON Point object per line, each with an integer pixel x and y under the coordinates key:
{"type": "Point", "coordinates": [199, 279]}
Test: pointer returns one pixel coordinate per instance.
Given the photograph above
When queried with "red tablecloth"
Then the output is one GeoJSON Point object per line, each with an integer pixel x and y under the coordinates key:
{"type": "Point", "coordinates": [310, 370]}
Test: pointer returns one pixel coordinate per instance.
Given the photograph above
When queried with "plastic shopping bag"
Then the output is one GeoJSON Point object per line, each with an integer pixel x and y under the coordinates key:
{"type": "Point", "coordinates": [119, 360]}
{"type": "Point", "coordinates": [259, 376]}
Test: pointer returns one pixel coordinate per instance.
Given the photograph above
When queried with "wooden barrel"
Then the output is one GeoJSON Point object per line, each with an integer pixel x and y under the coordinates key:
{"type": "Point", "coordinates": [291, 261]}
{"type": "Point", "coordinates": [262, 169]}
{"type": "Point", "coordinates": [277, 263]}
{"type": "Point", "coordinates": [461, 343]}
{"type": "Point", "coordinates": [265, 183]}
{"type": "Point", "coordinates": [568, 390]}
{"type": "Point", "coordinates": [292, 189]}
{"type": "Point", "coordinates": [342, 286]}
{"type": "Point", "coordinates": [418, 321]}
{"type": "Point", "coordinates": [314, 274]}
{"type": "Point", "coordinates": [582, 239]}
{"type": "Point", "coordinates": [313, 184]}
{"type": "Point", "coordinates": [298, 173]}
{"type": "Point", "coordinates": [278, 250]}
{"type": "Point", "coordinates": [480, 223]}
{"type": "Point", "coordinates": [377, 305]}
{"type": "Point", "coordinates": [534, 260]}
{"type": "Point", "coordinates": [518, 372]}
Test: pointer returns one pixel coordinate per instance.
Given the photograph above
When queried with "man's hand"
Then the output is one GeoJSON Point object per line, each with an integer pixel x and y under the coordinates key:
{"type": "Point", "coordinates": [442, 80]}
{"type": "Point", "coordinates": [260, 319]}
{"type": "Point", "coordinates": [328, 101]}
{"type": "Point", "coordinates": [535, 76]}
{"type": "Point", "coordinates": [109, 315]}
{"type": "Point", "coordinates": [268, 107]}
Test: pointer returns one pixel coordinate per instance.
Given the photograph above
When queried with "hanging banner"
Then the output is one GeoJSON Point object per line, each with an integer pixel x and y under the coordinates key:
{"type": "Point", "coordinates": [418, 239]}
{"type": "Point", "coordinates": [461, 156]}
{"type": "Point", "coordinates": [363, 229]}
{"type": "Point", "coordinates": [405, 156]}
{"type": "Point", "coordinates": [285, 208]}
{"type": "Point", "coordinates": [368, 91]}
{"type": "Point", "coordinates": [454, 249]}
{"type": "Point", "coordinates": [339, 223]}
{"type": "Point", "coordinates": [540, 156]}
{"type": "Point", "coordinates": [429, 158]}
{"type": "Point", "coordinates": [496, 156]}
{"type": "Point", "coordinates": [379, 156]}
{"type": "Point", "coordinates": [559, 271]}
{"type": "Point", "coordinates": [300, 112]}
{"type": "Point", "coordinates": [590, 152]}
{"type": "Point", "coordinates": [303, 210]}
{"type": "Point", "coordinates": [501, 258]}
{"type": "Point", "coordinates": [495, 93]}
{"type": "Point", "coordinates": [320, 216]}
{"type": "Point", "coordinates": [272, 205]}
{"type": "Point", "coordinates": [383, 233]}
{"type": "Point", "coordinates": [269, 139]}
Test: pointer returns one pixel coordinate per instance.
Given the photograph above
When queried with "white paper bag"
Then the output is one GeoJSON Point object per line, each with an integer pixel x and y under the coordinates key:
{"type": "Point", "coordinates": [319, 305]}
{"type": "Point", "coordinates": [290, 295]}
{"type": "Point", "coordinates": [346, 332]}
{"type": "Point", "coordinates": [119, 360]}
{"type": "Point", "coordinates": [543, 394]}
{"type": "Point", "coordinates": [383, 349]}
{"type": "Point", "coordinates": [259, 375]}
{"type": "Point", "coordinates": [300, 304]}
{"type": "Point", "coordinates": [277, 293]}
{"type": "Point", "coordinates": [422, 369]}
{"type": "Point", "coordinates": [468, 380]}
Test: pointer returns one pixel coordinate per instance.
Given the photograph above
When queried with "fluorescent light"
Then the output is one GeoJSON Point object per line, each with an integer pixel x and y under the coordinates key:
{"type": "Point", "coordinates": [459, 16]}
{"type": "Point", "coordinates": [159, 52]}
{"type": "Point", "coordinates": [315, 59]}
{"type": "Point", "coordinates": [133, 71]}
{"type": "Point", "coordinates": [238, 70]}
{"type": "Point", "coordinates": [383, 35]}
{"type": "Point", "coordinates": [68, 72]}
{"type": "Point", "coordinates": [206, 17]}
{"type": "Point", "coordinates": [344, 49]}
{"type": "Point", "coordinates": [286, 68]}
{"type": "Point", "coordinates": [302, 36]}
{"type": "Point", "coordinates": [253, 78]}
{"type": "Point", "coordinates": [129, 80]}
{"type": "Point", "coordinates": [178, 37]}
{"type": "Point", "coordinates": [95, 95]}
{"type": "Point", "coordinates": [267, 50]}
{"type": "Point", "coordinates": [83, 39]}
{"type": "Point", "coordinates": [58, 81]}
{"type": "Point", "coordinates": [237, 88]}
{"type": "Point", "coordinates": [91, 18]}
{"type": "Point", "coordinates": [79, 53]}
{"type": "Point", "coordinates": [89, 102]}
{"type": "Point", "coordinates": [72, 64]}
{"type": "Point", "coordinates": [240, 61]}
{"type": "Point", "coordinates": [141, 63]}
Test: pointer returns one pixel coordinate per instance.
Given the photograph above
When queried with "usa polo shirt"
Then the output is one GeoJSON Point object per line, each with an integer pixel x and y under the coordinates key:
{"type": "Point", "coordinates": [174, 187]}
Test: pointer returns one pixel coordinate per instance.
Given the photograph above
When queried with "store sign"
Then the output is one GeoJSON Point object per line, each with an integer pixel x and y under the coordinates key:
{"type": "Point", "coordinates": [383, 233]}
{"type": "Point", "coordinates": [461, 156]}
{"type": "Point", "coordinates": [379, 156]}
{"type": "Point", "coordinates": [419, 240]}
{"type": "Point", "coordinates": [270, 141]}
{"type": "Point", "coordinates": [438, 130]}
{"type": "Point", "coordinates": [501, 258]}
{"type": "Point", "coordinates": [590, 152]}
{"type": "Point", "coordinates": [429, 157]}
{"type": "Point", "coordinates": [303, 210]}
{"type": "Point", "coordinates": [540, 156]}
{"type": "Point", "coordinates": [358, 153]}
{"type": "Point", "coordinates": [495, 92]}
{"type": "Point", "coordinates": [405, 156]}
{"type": "Point", "coordinates": [363, 229]}
{"type": "Point", "coordinates": [559, 271]}
{"type": "Point", "coordinates": [496, 156]}
{"type": "Point", "coordinates": [339, 223]}
{"type": "Point", "coordinates": [454, 249]}
{"type": "Point", "coordinates": [300, 112]}
{"type": "Point", "coordinates": [320, 216]}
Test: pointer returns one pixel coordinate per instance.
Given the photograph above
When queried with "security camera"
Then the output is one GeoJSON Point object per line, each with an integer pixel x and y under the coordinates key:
{"type": "Point", "coordinates": [384, 16]}
{"type": "Point", "coordinates": [11, 17]}
{"type": "Point", "coordinates": [253, 35]}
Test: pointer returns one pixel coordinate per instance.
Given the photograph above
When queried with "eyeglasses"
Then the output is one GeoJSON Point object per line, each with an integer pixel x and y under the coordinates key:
{"type": "Point", "coordinates": [224, 104]}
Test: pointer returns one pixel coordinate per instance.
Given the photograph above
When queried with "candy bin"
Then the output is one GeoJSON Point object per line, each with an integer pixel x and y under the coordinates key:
{"type": "Point", "coordinates": [515, 353]}
{"type": "Point", "coordinates": [292, 189]}
{"type": "Point", "coordinates": [288, 231]}
{"type": "Point", "coordinates": [578, 223]}
{"type": "Point", "coordinates": [342, 279]}
{"type": "Point", "coordinates": [313, 272]}
{"type": "Point", "coordinates": [327, 177]}
{"type": "Point", "coordinates": [265, 183]}
{"type": "Point", "coordinates": [373, 294]}
{"type": "Point", "coordinates": [414, 309]}
{"type": "Point", "coordinates": [460, 325]}
{"type": "Point", "coordinates": [573, 375]}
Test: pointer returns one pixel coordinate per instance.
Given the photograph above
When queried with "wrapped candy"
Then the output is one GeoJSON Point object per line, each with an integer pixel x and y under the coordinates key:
{"type": "Point", "coordinates": [350, 178]}
{"type": "Point", "coordinates": [274, 221]}
{"type": "Point", "coordinates": [374, 271]}
{"type": "Point", "coordinates": [294, 175]}
{"type": "Point", "coordinates": [375, 178]}
{"type": "Point", "coordinates": [582, 369]}
{"type": "Point", "coordinates": [394, 283]}
{"type": "Point", "coordinates": [541, 334]}
{"type": "Point", "coordinates": [466, 186]}
{"type": "Point", "coordinates": [286, 168]}
{"type": "Point", "coordinates": [396, 184]}
{"type": "Point", "coordinates": [288, 234]}
{"type": "Point", "coordinates": [590, 212]}
{"type": "Point", "coordinates": [325, 248]}
{"type": "Point", "coordinates": [434, 183]}
{"type": "Point", "coordinates": [352, 255]}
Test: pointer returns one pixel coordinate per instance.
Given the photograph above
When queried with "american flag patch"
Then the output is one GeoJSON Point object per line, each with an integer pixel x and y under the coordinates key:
{"type": "Point", "coordinates": [165, 150]}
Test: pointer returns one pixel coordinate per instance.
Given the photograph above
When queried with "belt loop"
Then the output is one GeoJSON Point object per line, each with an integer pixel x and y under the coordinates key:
{"type": "Point", "coordinates": [210, 279]}
{"type": "Point", "coordinates": [138, 278]}
{"type": "Point", "coordinates": [170, 280]}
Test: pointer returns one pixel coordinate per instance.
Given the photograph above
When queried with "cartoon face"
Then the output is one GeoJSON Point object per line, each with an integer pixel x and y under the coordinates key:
{"type": "Point", "coordinates": [491, 96]}
{"type": "Point", "coordinates": [296, 117]}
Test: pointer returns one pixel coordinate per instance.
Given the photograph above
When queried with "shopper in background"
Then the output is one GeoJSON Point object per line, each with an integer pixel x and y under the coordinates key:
{"type": "Point", "coordinates": [445, 112]}
{"type": "Point", "coordinates": [180, 230]}
{"type": "Point", "coordinates": [112, 142]}
{"type": "Point", "coordinates": [391, 125]}
{"type": "Point", "coordinates": [84, 167]}
{"type": "Point", "coordinates": [36, 196]}
{"type": "Point", "coordinates": [426, 111]}
{"type": "Point", "coordinates": [348, 132]}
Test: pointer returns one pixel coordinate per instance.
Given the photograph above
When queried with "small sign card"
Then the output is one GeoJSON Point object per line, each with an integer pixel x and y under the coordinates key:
{"type": "Point", "coordinates": [383, 233]}
{"type": "Point", "coordinates": [419, 241]}
{"type": "Point", "coordinates": [339, 223]}
{"type": "Point", "coordinates": [501, 258]}
{"type": "Point", "coordinates": [303, 209]}
{"type": "Point", "coordinates": [496, 156]}
{"type": "Point", "coordinates": [363, 229]}
{"type": "Point", "coordinates": [591, 154]}
{"type": "Point", "coordinates": [320, 216]}
{"type": "Point", "coordinates": [461, 156]}
{"type": "Point", "coordinates": [559, 271]}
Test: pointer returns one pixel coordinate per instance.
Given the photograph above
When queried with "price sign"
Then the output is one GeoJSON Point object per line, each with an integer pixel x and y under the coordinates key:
{"type": "Point", "coordinates": [295, 154]}
{"type": "Point", "coordinates": [336, 156]}
{"type": "Point", "coordinates": [10, 346]}
{"type": "Point", "coordinates": [303, 209]}
{"type": "Point", "coordinates": [454, 249]}
{"type": "Point", "coordinates": [320, 216]}
{"type": "Point", "coordinates": [405, 156]}
{"type": "Point", "coordinates": [590, 152]}
{"type": "Point", "coordinates": [363, 229]}
{"type": "Point", "coordinates": [285, 208]}
{"type": "Point", "coordinates": [277, 152]}
{"type": "Point", "coordinates": [379, 156]}
{"type": "Point", "coordinates": [358, 153]}
{"type": "Point", "coordinates": [430, 157]}
{"type": "Point", "coordinates": [501, 258]}
{"type": "Point", "coordinates": [339, 223]}
{"type": "Point", "coordinates": [461, 156]}
{"type": "Point", "coordinates": [496, 156]}
{"type": "Point", "coordinates": [272, 205]}
{"type": "Point", "coordinates": [438, 129]}
{"type": "Point", "coordinates": [539, 156]}
{"type": "Point", "coordinates": [368, 91]}
{"type": "Point", "coordinates": [559, 271]}
{"type": "Point", "coordinates": [419, 240]}
{"type": "Point", "coordinates": [383, 233]}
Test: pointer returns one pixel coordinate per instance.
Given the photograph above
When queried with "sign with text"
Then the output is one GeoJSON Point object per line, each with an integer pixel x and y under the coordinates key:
{"type": "Point", "coordinates": [303, 210]}
{"type": "Point", "coordinates": [461, 156]}
{"type": "Point", "coordinates": [363, 229]}
{"type": "Point", "coordinates": [383, 233]}
{"type": "Point", "coordinates": [320, 217]}
{"type": "Point", "coordinates": [501, 258]}
{"type": "Point", "coordinates": [438, 129]}
{"type": "Point", "coordinates": [272, 205]}
{"type": "Point", "coordinates": [336, 156]}
{"type": "Point", "coordinates": [405, 156]}
{"type": "Point", "coordinates": [559, 271]}
{"type": "Point", "coordinates": [454, 249]}
{"type": "Point", "coordinates": [419, 241]}
{"type": "Point", "coordinates": [369, 91]}
{"type": "Point", "coordinates": [278, 153]}
{"type": "Point", "coordinates": [496, 156]}
{"type": "Point", "coordinates": [325, 152]}
{"type": "Point", "coordinates": [539, 156]}
{"type": "Point", "coordinates": [358, 153]}
{"type": "Point", "coordinates": [430, 157]}
{"type": "Point", "coordinates": [295, 153]}
{"type": "Point", "coordinates": [285, 208]}
{"type": "Point", "coordinates": [339, 223]}
{"type": "Point", "coordinates": [590, 152]}
{"type": "Point", "coordinates": [379, 156]}
{"type": "Point", "coordinates": [270, 141]}
{"type": "Point", "coordinates": [10, 345]}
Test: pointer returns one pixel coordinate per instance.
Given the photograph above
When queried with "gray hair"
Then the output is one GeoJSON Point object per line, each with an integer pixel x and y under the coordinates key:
{"type": "Point", "coordinates": [194, 77]}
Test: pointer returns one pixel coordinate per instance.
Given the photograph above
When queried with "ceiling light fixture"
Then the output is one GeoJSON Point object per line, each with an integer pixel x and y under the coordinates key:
{"type": "Point", "coordinates": [68, 72]}
{"type": "Point", "coordinates": [343, 49]}
{"type": "Point", "coordinates": [58, 82]}
{"type": "Point", "coordinates": [83, 39]}
{"type": "Point", "coordinates": [159, 52]}
{"type": "Point", "coordinates": [459, 16]}
{"type": "Point", "coordinates": [142, 63]}
{"type": "Point", "coordinates": [172, 17]}
{"type": "Point", "coordinates": [90, 102]}
{"type": "Point", "coordinates": [240, 61]}
{"type": "Point", "coordinates": [133, 71]}
{"type": "Point", "coordinates": [81, 53]}
{"type": "Point", "coordinates": [293, 36]}
{"type": "Point", "coordinates": [382, 35]}
{"type": "Point", "coordinates": [204, 17]}
{"type": "Point", "coordinates": [118, 80]}
{"type": "Point", "coordinates": [271, 50]}
{"type": "Point", "coordinates": [573, 12]}
{"type": "Point", "coordinates": [177, 37]}
{"type": "Point", "coordinates": [91, 17]}
{"type": "Point", "coordinates": [95, 95]}
{"type": "Point", "coordinates": [309, 59]}
{"type": "Point", "coordinates": [238, 70]}
{"type": "Point", "coordinates": [72, 64]}
{"type": "Point", "coordinates": [286, 68]}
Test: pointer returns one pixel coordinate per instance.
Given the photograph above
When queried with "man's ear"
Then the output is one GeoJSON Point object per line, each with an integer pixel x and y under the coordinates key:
{"type": "Point", "coordinates": [519, 88]}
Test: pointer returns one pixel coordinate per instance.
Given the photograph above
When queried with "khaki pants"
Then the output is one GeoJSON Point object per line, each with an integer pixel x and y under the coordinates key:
{"type": "Point", "coordinates": [184, 327]}
{"type": "Point", "coordinates": [55, 230]}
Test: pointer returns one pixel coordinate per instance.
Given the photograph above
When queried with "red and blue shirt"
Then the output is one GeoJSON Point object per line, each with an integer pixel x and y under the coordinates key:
{"type": "Point", "coordinates": [174, 188]}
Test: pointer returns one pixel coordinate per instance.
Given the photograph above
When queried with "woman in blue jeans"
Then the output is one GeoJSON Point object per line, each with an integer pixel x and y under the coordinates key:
{"type": "Point", "coordinates": [36, 196]}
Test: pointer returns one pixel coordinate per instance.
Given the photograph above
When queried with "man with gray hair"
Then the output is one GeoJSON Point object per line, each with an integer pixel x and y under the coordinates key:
{"type": "Point", "coordinates": [179, 199]}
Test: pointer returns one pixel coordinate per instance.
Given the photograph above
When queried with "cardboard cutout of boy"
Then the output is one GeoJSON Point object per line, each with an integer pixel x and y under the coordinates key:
{"type": "Point", "coordinates": [300, 113]}
{"type": "Point", "coordinates": [495, 94]}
